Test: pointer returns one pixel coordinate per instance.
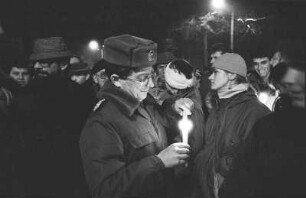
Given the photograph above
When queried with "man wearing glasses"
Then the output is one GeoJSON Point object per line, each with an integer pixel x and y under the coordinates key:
{"type": "Point", "coordinates": [124, 146]}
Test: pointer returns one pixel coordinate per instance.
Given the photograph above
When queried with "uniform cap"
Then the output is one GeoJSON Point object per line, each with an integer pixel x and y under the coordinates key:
{"type": "Point", "coordinates": [130, 51]}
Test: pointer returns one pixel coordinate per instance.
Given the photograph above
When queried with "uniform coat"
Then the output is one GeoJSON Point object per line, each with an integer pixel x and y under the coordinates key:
{"type": "Point", "coordinates": [119, 144]}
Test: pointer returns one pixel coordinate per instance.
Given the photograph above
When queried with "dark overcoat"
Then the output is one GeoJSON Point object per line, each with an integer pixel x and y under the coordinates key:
{"type": "Point", "coordinates": [119, 144]}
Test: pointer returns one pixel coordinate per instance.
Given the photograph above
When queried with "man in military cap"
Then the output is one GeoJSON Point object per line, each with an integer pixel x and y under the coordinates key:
{"type": "Point", "coordinates": [124, 146]}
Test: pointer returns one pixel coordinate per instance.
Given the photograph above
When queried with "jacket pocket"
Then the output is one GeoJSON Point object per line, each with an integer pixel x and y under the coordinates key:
{"type": "Point", "coordinates": [141, 140]}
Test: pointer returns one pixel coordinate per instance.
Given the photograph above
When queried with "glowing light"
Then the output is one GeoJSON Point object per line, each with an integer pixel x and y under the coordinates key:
{"type": "Point", "coordinates": [263, 97]}
{"type": "Point", "coordinates": [93, 45]}
{"type": "Point", "coordinates": [185, 125]}
{"type": "Point", "coordinates": [218, 4]}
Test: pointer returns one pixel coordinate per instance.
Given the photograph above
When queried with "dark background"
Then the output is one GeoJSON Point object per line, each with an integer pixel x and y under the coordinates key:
{"type": "Point", "coordinates": [78, 21]}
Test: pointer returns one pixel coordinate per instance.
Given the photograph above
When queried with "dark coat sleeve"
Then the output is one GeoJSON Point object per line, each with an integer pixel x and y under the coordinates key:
{"type": "Point", "coordinates": [105, 166]}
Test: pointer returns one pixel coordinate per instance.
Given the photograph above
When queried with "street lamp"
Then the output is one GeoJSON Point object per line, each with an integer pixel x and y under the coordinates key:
{"type": "Point", "coordinates": [221, 5]}
{"type": "Point", "coordinates": [93, 45]}
{"type": "Point", "coordinates": [218, 4]}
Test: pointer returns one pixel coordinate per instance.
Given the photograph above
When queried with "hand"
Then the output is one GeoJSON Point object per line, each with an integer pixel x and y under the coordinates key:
{"type": "Point", "coordinates": [183, 106]}
{"type": "Point", "coordinates": [175, 154]}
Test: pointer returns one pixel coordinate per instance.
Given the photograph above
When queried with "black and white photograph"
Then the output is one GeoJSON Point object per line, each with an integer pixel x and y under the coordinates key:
{"type": "Point", "coordinates": [152, 99]}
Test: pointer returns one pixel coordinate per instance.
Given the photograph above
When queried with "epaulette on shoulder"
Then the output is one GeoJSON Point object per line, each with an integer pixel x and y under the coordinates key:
{"type": "Point", "coordinates": [99, 105]}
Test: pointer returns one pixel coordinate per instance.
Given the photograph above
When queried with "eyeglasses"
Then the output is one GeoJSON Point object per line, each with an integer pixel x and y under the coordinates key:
{"type": "Point", "coordinates": [102, 77]}
{"type": "Point", "coordinates": [144, 80]}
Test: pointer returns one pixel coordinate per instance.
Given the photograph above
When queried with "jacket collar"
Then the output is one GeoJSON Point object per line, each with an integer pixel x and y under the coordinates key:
{"type": "Point", "coordinates": [233, 91]}
{"type": "Point", "coordinates": [126, 103]}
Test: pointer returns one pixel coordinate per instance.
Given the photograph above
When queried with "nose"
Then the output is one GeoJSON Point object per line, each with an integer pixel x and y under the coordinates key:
{"type": "Point", "coordinates": [210, 77]}
{"type": "Point", "coordinates": [73, 78]}
{"type": "Point", "coordinates": [150, 82]}
{"type": "Point", "coordinates": [37, 65]}
{"type": "Point", "coordinates": [20, 76]}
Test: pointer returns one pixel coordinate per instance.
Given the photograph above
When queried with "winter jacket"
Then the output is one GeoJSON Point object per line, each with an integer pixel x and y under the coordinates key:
{"type": "Point", "coordinates": [196, 135]}
{"type": "Point", "coordinates": [227, 127]}
{"type": "Point", "coordinates": [278, 155]}
{"type": "Point", "coordinates": [119, 144]}
{"type": "Point", "coordinates": [184, 183]}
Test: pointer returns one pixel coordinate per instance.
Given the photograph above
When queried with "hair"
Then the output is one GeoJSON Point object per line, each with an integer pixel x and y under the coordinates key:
{"type": "Point", "coordinates": [298, 65]}
{"type": "Point", "coordinates": [98, 66]}
{"type": "Point", "coordinates": [239, 79]}
{"type": "Point", "coordinates": [291, 50]}
{"type": "Point", "coordinates": [262, 53]}
{"type": "Point", "coordinates": [219, 47]}
{"type": "Point", "coordinates": [122, 71]}
{"type": "Point", "coordinates": [277, 73]}
{"type": "Point", "coordinates": [19, 63]}
{"type": "Point", "coordinates": [182, 66]}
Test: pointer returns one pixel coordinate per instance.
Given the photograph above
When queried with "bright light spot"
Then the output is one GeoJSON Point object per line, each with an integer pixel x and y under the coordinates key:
{"type": "Point", "coordinates": [263, 97]}
{"type": "Point", "coordinates": [93, 45]}
{"type": "Point", "coordinates": [185, 125]}
{"type": "Point", "coordinates": [218, 4]}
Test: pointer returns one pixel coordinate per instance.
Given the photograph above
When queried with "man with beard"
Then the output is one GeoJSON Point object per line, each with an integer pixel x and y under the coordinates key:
{"type": "Point", "coordinates": [52, 140]}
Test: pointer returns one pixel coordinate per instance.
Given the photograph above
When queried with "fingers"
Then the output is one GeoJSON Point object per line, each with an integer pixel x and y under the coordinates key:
{"type": "Point", "coordinates": [181, 145]}
{"type": "Point", "coordinates": [184, 105]}
{"type": "Point", "coordinates": [182, 151]}
{"type": "Point", "coordinates": [183, 157]}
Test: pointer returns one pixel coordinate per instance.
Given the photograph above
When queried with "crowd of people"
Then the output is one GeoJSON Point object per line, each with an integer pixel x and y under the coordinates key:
{"type": "Point", "coordinates": [111, 130]}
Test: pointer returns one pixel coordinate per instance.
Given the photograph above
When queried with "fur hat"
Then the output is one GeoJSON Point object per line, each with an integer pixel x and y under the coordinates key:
{"type": "Point", "coordinates": [48, 48]}
{"type": "Point", "coordinates": [130, 51]}
{"type": "Point", "coordinates": [231, 62]}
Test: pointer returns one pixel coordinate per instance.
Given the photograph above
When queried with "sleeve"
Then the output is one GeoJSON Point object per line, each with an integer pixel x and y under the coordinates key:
{"type": "Point", "coordinates": [106, 171]}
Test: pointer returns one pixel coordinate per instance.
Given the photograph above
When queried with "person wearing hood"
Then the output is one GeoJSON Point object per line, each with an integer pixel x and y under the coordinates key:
{"type": "Point", "coordinates": [220, 165]}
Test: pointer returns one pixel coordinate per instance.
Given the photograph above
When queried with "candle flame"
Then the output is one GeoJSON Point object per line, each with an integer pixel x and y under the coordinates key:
{"type": "Point", "coordinates": [185, 125]}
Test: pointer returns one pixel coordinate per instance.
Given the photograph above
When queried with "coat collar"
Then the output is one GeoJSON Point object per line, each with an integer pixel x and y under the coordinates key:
{"type": "Point", "coordinates": [126, 103]}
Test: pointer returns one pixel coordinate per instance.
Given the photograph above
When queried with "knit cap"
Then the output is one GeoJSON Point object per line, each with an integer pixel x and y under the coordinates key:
{"type": "Point", "coordinates": [231, 62]}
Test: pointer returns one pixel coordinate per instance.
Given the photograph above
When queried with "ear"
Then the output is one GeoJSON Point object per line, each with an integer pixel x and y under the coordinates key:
{"type": "Point", "coordinates": [63, 66]}
{"type": "Point", "coordinates": [87, 76]}
{"type": "Point", "coordinates": [95, 78]}
{"type": "Point", "coordinates": [232, 76]}
{"type": "Point", "coordinates": [115, 80]}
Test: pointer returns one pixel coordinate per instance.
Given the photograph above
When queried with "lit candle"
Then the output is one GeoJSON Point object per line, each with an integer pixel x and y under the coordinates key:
{"type": "Point", "coordinates": [185, 125]}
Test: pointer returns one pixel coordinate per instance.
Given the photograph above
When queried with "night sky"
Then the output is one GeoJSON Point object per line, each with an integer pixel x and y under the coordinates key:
{"type": "Point", "coordinates": [80, 20]}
